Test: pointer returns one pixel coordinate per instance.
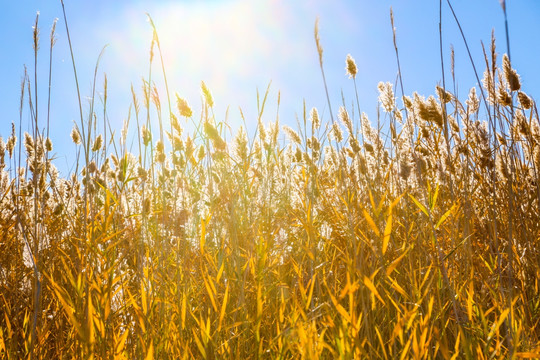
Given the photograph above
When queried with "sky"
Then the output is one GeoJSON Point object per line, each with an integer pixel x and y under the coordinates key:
{"type": "Point", "coordinates": [237, 47]}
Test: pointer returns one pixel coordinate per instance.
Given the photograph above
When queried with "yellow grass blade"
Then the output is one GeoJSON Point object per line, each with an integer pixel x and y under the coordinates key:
{"type": "Point", "coordinates": [120, 343]}
{"type": "Point", "coordinates": [203, 235]}
{"type": "Point", "coordinates": [419, 205]}
{"type": "Point", "coordinates": [66, 302]}
{"type": "Point", "coordinates": [340, 309]}
{"type": "Point", "coordinates": [394, 203]}
{"type": "Point", "coordinates": [470, 294]}
{"type": "Point", "coordinates": [445, 216]}
{"type": "Point", "coordinates": [223, 307]}
{"type": "Point", "coordinates": [144, 304]}
{"type": "Point", "coordinates": [373, 289]}
{"type": "Point", "coordinates": [220, 271]}
{"type": "Point", "coordinates": [310, 293]}
{"type": "Point", "coordinates": [405, 350]}
{"type": "Point", "coordinates": [395, 263]}
{"type": "Point", "coordinates": [398, 288]}
{"type": "Point", "coordinates": [381, 203]}
{"type": "Point", "coordinates": [259, 302]}
{"type": "Point", "coordinates": [199, 344]}
{"type": "Point", "coordinates": [456, 347]}
{"type": "Point", "coordinates": [2, 341]}
{"type": "Point", "coordinates": [498, 324]}
{"type": "Point", "coordinates": [372, 201]}
{"type": "Point", "coordinates": [150, 352]}
{"type": "Point", "coordinates": [370, 222]}
{"type": "Point", "coordinates": [183, 312]}
{"type": "Point", "coordinates": [535, 354]}
{"type": "Point", "coordinates": [210, 293]}
{"type": "Point", "coordinates": [89, 321]}
{"type": "Point", "coordinates": [381, 342]}
{"type": "Point", "coordinates": [387, 233]}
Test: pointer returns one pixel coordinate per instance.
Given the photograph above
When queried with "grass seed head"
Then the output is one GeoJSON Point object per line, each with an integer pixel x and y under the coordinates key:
{"type": "Point", "coordinates": [146, 135]}
{"type": "Point", "coordinates": [10, 145]}
{"type": "Point", "coordinates": [473, 104]}
{"type": "Point", "coordinates": [183, 107]}
{"type": "Point", "coordinates": [503, 97]}
{"type": "Point", "coordinates": [369, 148]}
{"type": "Point", "coordinates": [75, 135]}
{"type": "Point", "coordinates": [386, 96]}
{"type": "Point", "coordinates": [241, 144]}
{"type": "Point", "coordinates": [405, 169]}
{"type": "Point", "coordinates": [511, 75]}
{"type": "Point", "coordinates": [444, 96]}
{"type": "Point", "coordinates": [351, 67]}
{"type": "Point", "coordinates": [48, 145]}
{"type": "Point", "coordinates": [524, 100]}
{"type": "Point", "coordinates": [213, 135]}
{"type": "Point", "coordinates": [207, 94]}
{"type": "Point", "coordinates": [314, 117]}
{"type": "Point", "coordinates": [2, 152]}
{"type": "Point", "coordinates": [336, 132]}
{"type": "Point", "coordinates": [291, 134]}
{"type": "Point", "coordinates": [28, 144]}
{"type": "Point", "coordinates": [142, 174]}
{"type": "Point", "coordinates": [521, 124]}
{"type": "Point", "coordinates": [92, 167]}
{"type": "Point", "coordinates": [429, 110]}
{"type": "Point", "coordinates": [489, 84]}
{"type": "Point", "coordinates": [345, 119]}
{"type": "Point", "coordinates": [355, 146]}
{"type": "Point", "coordinates": [407, 102]}
{"type": "Point", "coordinates": [318, 42]}
{"type": "Point", "coordinates": [98, 143]}
{"type": "Point", "coordinates": [502, 169]}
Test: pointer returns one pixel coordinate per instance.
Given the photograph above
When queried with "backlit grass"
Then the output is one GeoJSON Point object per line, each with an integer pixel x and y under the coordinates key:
{"type": "Point", "coordinates": [414, 235]}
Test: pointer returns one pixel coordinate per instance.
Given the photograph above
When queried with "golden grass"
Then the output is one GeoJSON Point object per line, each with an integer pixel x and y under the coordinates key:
{"type": "Point", "coordinates": [344, 242]}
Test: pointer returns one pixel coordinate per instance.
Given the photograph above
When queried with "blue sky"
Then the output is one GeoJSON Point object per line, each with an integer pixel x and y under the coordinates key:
{"type": "Point", "coordinates": [238, 46]}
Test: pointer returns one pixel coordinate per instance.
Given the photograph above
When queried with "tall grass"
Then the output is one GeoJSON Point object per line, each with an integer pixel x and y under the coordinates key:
{"type": "Point", "coordinates": [341, 242]}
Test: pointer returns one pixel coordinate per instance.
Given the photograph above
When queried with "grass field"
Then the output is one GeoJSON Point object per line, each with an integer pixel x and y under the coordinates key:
{"type": "Point", "coordinates": [413, 235]}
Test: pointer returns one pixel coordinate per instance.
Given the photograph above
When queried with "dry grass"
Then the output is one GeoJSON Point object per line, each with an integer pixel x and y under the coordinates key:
{"type": "Point", "coordinates": [343, 242]}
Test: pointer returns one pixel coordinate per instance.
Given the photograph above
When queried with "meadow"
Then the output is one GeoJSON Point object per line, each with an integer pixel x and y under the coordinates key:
{"type": "Point", "coordinates": [412, 235]}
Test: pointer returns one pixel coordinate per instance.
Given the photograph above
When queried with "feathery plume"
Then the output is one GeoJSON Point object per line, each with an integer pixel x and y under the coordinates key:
{"type": "Point", "coordinates": [28, 144]}
{"type": "Point", "coordinates": [511, 75]}
{"type": "Point", "coordinates": [345, 119]}
{"type": "Point", "coordinates": [444, 96]}
{"type": "Point", "coordinates": [429, 110]}
{"type": "Point", "coordinates": [240, 143]}
{"type": "Point", "coordinates": [48, 145]}
{"type": "Point", "coordinates": [336, 132]}
{"type": "Point", "coordinates": [473, 103]}
{"type": "Point", "coordinates": [318, 42]}
{"type": "Point", "coordinates": [183, 107]}
{"type": "Point", "coordinates": [386, 96]}
{"type": "Point", "coordinates": [214, 136]}
{"type": "Point", "coordinates": [503, 97]}
{"type": "Point", "coordinates": [351, 66]}
{"type": "Point", "coordinates": [11, 141]}
{"type": "Point", "coordinates": [524, 100]}
{"type": "Point", "coordinates": [75, 135]}
{"type": "Point", "coordinates": [146, 135]}
{"type": "Point", "coordinates": [98, 142]}
{"type": "Point", "coordinates": [35, 33]}
{"type": "Point", "coordinates": [293, 135]}
{"type": "Point", "coordinates": [207, 95]}
{"type": "Point", "coordinates": [314, 117]}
